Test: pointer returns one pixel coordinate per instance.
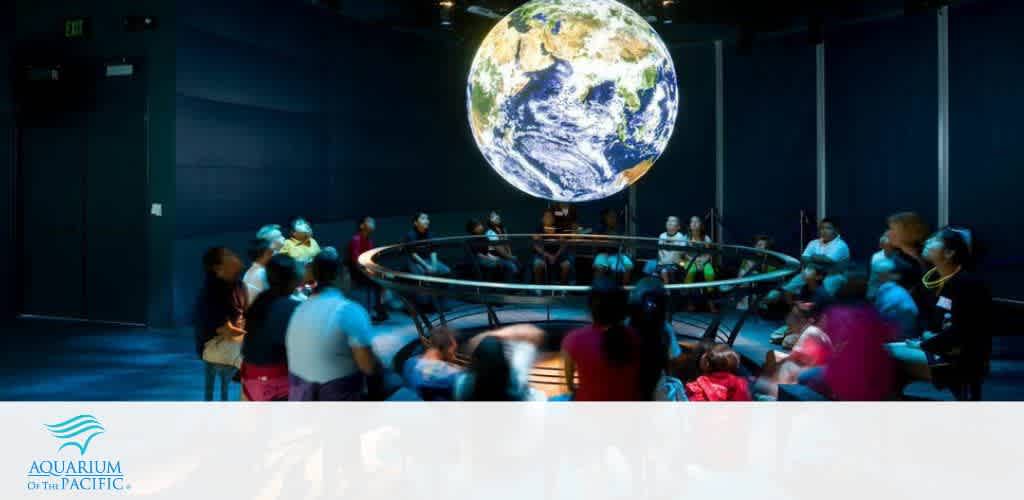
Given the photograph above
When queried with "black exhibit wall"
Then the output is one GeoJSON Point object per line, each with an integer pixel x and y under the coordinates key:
{"type": "Point", "coordinates": [400, 136]}
{"type": "Point", "coordinates": [770, 137]}
{"type": "Point", "coordinates": [40, 35]}
{"type": "Point", "coordinates": [289, 109]}
{"type": "Point", "coordinates": [8, 285]}
{"type": "Point", "coordinates": [986, 104]}
{"type": "Point", "coordinates": [682, 181]}
{"type": "Point", "coordinates": [881, 110]}
{"type": "Point", "coordinates": [252, 103]}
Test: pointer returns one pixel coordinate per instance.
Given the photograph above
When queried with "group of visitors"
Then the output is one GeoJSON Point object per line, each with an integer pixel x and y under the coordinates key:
{"type": "Point", "coordinates": [286, 324]}
{"type": "Point", "coordinates": [625, 354]}
{"type": "Point", "coordinates": [553, 257]}
{"type": "Point", "coordinates": [918, 314]}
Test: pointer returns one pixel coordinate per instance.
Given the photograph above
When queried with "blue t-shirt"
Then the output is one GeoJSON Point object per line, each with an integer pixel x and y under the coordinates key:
{"type": "Point", "coordinates": [896, 305]}
{"type": "Point", "coordinates": [321, 335]}
{"type": "Point", "coordinates": [420, 373]}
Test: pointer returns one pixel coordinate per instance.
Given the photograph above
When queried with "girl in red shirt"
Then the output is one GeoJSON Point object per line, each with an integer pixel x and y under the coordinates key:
{"type": "Point", "coordinates": [719, 381]}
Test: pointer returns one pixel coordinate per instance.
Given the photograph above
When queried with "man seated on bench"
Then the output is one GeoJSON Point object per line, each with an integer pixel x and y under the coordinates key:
{"type": "Point", "coordinates": [829, 253]}
{"type": "Point", "coordinates": [550, 252]}
{"type": "Point", "coordinates": [612, 256]}
{"type": "Point", "coordinates": [422, 257]}
{"type": "Point", "coordinates": [483, 255]}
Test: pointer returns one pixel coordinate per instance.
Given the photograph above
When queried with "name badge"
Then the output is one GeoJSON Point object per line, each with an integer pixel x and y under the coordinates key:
{"type": "Point", "coordinates": [945, 303]}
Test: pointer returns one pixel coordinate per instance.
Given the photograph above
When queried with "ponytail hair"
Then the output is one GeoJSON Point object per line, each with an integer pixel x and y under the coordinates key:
{"type": "Point", "coordinates": [282, 278]}
{"type": "Point", "coordinates": [608, 304]}
{"type": "Point", "coordinates": [491, 373]}
{"type": "Point", "coordinates": [648, 307]}
{"type": "Point", "coordinates": [211, 259]}
{"type": "Point", "coordinates": [963, 242]}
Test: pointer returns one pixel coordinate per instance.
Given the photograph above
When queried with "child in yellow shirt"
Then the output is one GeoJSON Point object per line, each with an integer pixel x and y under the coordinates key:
{"type": "Point", "coordinates": [301, 246]}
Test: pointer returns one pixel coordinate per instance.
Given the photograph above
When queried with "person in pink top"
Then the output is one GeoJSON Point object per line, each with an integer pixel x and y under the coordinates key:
{"type": "Point", "coordinates": [860, 368]}
{"type": "Point", "coordinates": [607, 355]}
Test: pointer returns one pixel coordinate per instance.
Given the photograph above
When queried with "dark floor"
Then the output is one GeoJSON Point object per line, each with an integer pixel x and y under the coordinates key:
{"type": "Point", "coordinates": [54, 361]}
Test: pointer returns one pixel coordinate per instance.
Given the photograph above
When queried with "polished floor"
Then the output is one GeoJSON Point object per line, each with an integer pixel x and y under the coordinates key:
{"type": "Point", "coordinates": [55, 361]}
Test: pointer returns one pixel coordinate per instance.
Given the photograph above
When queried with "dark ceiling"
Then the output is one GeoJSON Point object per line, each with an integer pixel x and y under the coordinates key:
{"type": "Point", "coordinates": [678, 21]}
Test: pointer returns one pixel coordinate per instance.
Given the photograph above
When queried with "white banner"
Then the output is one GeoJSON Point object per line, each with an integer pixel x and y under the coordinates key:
{"type": "Point", "coordinates": [200, 451]}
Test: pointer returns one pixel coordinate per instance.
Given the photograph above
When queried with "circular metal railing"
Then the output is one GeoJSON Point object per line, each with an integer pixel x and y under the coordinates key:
{"type": "Point", "coordinates": [389, 266]}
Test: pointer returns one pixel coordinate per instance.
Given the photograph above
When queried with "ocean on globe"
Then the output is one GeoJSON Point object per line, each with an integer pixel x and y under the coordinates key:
{"type": "Point", "coordinates": [572, 100]}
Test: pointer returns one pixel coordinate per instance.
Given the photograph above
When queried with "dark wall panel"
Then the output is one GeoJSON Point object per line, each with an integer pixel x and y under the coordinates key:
{"type": "Point", "coordinates": [8, 284]}
{"type": "Point", "coordinates": [328, 117]}
{"type": "Point", "coordinates": [229, 71]}
{"type": "Point", "coordinates": [400, 132]}
{"type": "Point", "coordinates": [38, 30]}
{"type": "Point", "coordinates": [286, 109]}
{"type": "Point", "coordinates": [252, 129]}
{"type": "Point", "coordinates": [770, 134]}
{"type": "Point", "coordinates": [682, 182]}
{"type": "Point", "coordinates": [986, 153]}
{"type": "Point", "coordinates": [213, 133]}
{"type": "Point", "coordinates": [881, 128]}
{"type": "Point", "coordinates": [268, 26]}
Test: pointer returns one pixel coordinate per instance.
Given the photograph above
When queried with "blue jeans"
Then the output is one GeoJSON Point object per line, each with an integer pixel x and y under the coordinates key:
{"type": "Point", "coordinates": [440, 270]}
{"type": "Point", "coordinates": [509, 268]}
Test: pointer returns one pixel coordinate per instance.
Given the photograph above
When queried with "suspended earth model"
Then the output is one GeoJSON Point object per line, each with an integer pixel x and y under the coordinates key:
{"type": "Point", "coordinates": [572, 100]}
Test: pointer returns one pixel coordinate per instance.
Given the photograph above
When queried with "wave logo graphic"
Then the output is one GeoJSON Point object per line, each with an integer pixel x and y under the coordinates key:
{"type": "Point", "coordinates": [76, 432]}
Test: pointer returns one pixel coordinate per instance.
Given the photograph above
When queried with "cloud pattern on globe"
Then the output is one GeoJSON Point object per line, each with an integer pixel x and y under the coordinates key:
{"type": "Point", "coordinates": [572, 100]}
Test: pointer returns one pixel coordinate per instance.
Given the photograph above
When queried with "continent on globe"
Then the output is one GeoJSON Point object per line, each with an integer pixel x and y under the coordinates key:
{"type": "Point", "coordinates": [572, 100]}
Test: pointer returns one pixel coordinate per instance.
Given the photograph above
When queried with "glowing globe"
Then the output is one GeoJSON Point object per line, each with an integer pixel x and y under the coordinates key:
{"type": "Point", "coordinates": [572, 100]}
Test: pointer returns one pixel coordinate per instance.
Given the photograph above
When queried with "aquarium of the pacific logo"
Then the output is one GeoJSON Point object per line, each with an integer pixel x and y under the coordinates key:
{"type": "Point", "coordinates": [69, 469]}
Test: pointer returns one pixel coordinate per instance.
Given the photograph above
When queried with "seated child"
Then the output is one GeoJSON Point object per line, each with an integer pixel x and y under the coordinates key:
{"type": "Point", "coordinates": [719, 381]}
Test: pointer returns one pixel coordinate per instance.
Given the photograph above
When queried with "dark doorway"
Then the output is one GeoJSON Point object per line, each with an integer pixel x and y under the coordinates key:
{"type": "Point", "coordinates": [82, 165]}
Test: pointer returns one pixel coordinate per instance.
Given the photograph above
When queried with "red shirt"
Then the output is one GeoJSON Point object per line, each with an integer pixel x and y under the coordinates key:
{"type": "Point", "coordinates": [718, 386]}
{"type": "Point", "coordinates": [601, 379]}
{"type": "Point", "coordinates": [359, 245]}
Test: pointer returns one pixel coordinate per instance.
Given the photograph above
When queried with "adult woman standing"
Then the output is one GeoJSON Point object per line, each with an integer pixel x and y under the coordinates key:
{"type": "Point", "coordinates": [265, 365]}
{"type": "Point", "coordinates": [220, 307]}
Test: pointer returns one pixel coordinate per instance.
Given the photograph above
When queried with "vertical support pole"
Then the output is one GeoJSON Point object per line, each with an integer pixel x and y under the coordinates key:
{"type": "Point", "coordinates": [819, 53]}
{"type": "Point", "coordinates": [942, 18]}
{"type": "Point", "coordinates": [631, 212]}
{"type": "Point", "coordinates": [719, 141]}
